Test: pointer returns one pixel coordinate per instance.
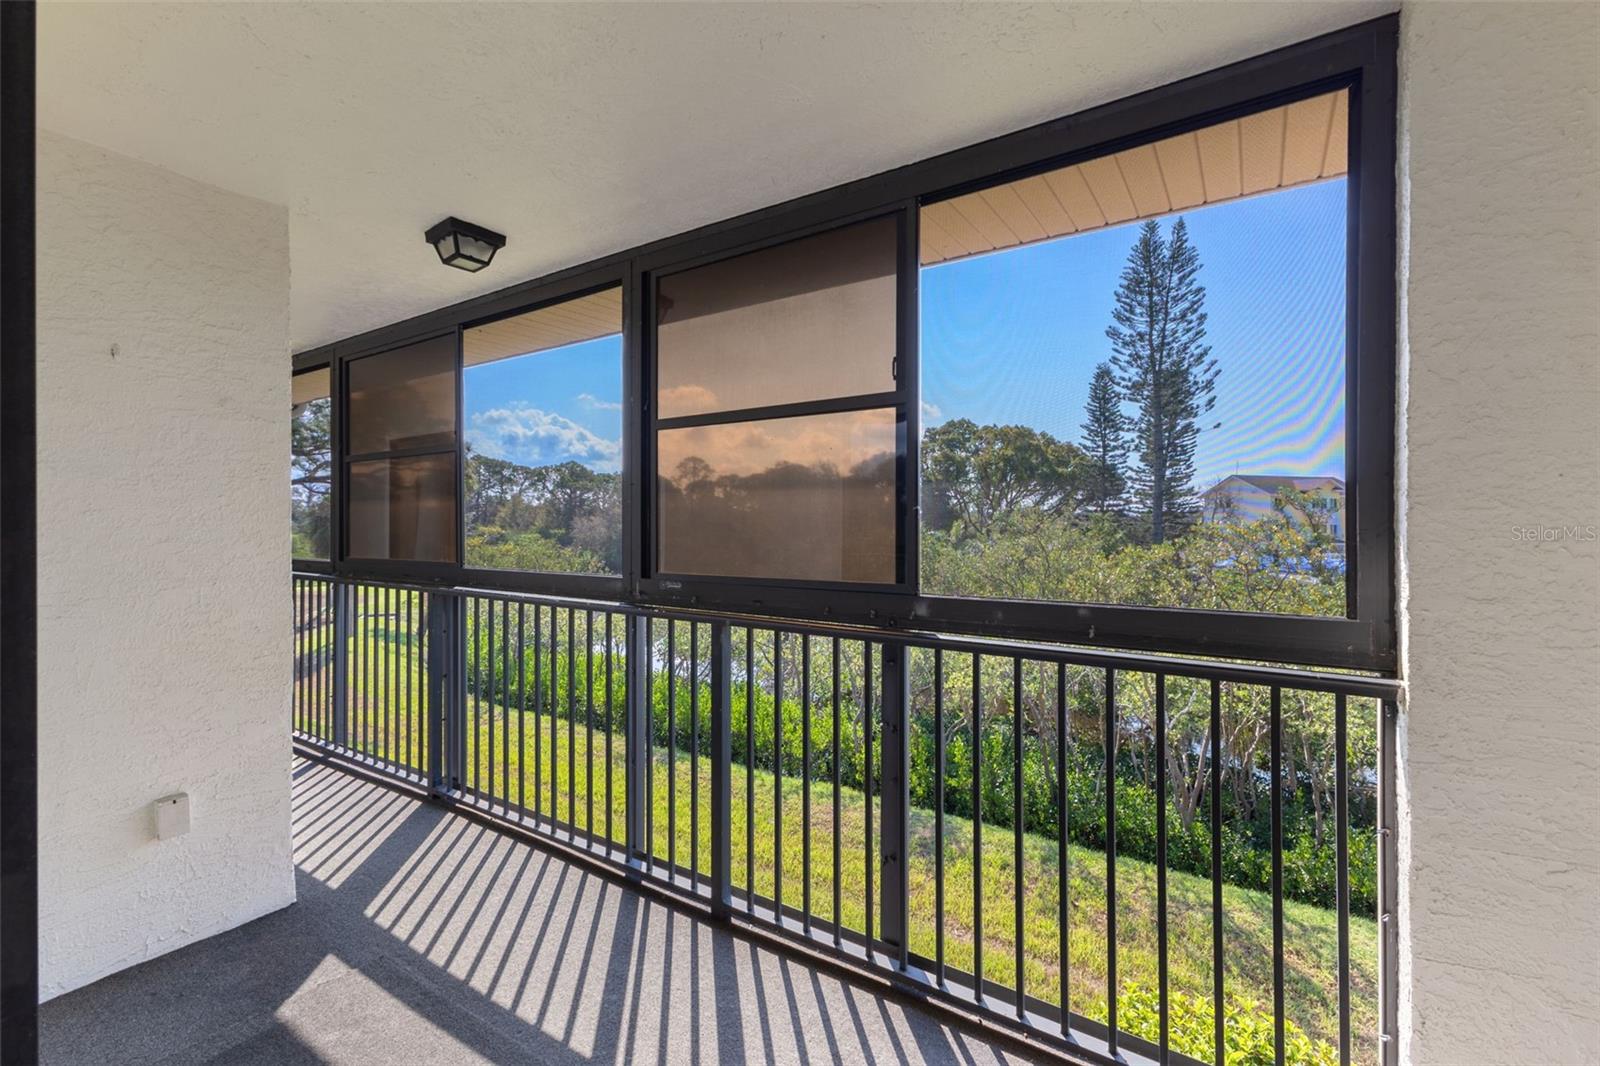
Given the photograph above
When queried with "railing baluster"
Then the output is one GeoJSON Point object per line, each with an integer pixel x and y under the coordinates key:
{"type": "Point", "coordinates": [777, 775]}
{"type": "Point", "coordinates": [938, 816]}
{"type": "Point", "coordinates": [313, 657]}
{"type": "Point", "coordinates": [297, 590]}
{"type": "Point", "coordinates": [977, 827]}
{"type": "Point", "coordinates": [572, 721]}
{"type": "Point", "coordinates": [305, 658]}
{"type": "Point", "coordinates": [486, 709]}
{"type": "Point", "coordinates": [1388, 928]}
{"type": "Point", "coordinates": [474, 742]}
{"type": "Point", "coordinates": [1016, 825]}
{"type": "Point", "coordinates": [721, 770]}
{"type": "Point", "coordinates": [636, 734]}
{"type": "Point", "coordinates": [1341, 805]}
{"type": "Point", "coordinates": [647, 703]}
{"type": "Point", "coordinates": [1063, 853]}
{"type": "Point", "coordinates": [538, 713]}
{"type": "Point", "coordinates": [894, 788]}
{"type": "Point", "coordinates": [672, 751]}
{"type": "Point", "coordinates": [1111, 861]}
{"type": "Point", "coordinates": [391, 676]}
{"type": "Point", "coordinates": [424, 761]}
{"type": "Point", "coordinates": [555, 724]}
{"type": "Point", "coordinates": [1277, 875]}
{"type": "Point", "coordinates": [333, 670]}
{"type": "Point", "coordinates": [341, 665]}
{"type": "Point", "coordinates": [611, 722]}
{"type": "Point", "coordinates": [838, 832]}
{"type": "Point", "coordinates": [355, 728]}
{"type": "Point", "coordinates": [369, 689]}
{"type": "Point", "coordinates": [308, 660]}
{"type": "Point", "coordinates": [1217, 975]}
{"type": "Point", "coordinates": [750, 769]}
{"type": "Point", "coordinates": [694, 752]}
{"type": "Point", "coordinates": [522, 711]}
{"type": "Point", "coordinates": [1161, 865]}
{"type": "Point", "coordinates": [588, 704]}
{"type": "Point", "coordinates": [505, 705]}
{"type": "Point", "coordinates": [407, 661]}
{"type": "Point", "coordinates": [866, 717]}
{"type": "Point", "coordinates": [805, 781]}
{"type": "Point", "coordinates": [376, 726]}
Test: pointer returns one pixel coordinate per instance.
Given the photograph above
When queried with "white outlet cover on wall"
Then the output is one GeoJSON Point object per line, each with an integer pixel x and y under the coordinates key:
{"type": "Point", "coordinates": [172, 816]}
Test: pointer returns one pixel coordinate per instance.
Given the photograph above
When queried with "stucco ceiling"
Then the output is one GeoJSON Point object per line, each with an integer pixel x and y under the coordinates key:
{"type": "Point", "coordinates": [581, 129]}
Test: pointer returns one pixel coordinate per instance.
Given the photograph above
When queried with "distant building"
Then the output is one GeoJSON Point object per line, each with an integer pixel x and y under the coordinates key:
{"type": "Point", "coordinates": [1251, 497]}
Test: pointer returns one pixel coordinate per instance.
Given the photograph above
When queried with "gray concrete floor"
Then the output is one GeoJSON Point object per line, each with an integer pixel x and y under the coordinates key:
{"type": "Point", "coordinates": [423, 938]}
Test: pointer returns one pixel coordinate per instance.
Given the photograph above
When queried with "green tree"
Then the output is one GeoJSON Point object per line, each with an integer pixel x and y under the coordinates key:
{"type": "Point", "coordinates": [310, 478]}
{"type": "Point", "coordinates": [977, 475]}
{"type": "Point", "coordinates": [1105, 442]}
{"type": "Point", "coordinates": [1164, 368]}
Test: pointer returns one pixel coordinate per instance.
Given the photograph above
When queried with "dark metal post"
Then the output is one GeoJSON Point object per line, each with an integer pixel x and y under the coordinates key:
{"type": "Point", "coordinates": [1388, 895]}
{"type": "Point", "coordinates": [19, 664]}
{"type": "Point", "coordinates": [721, 771]}
{"type": "Point", "coordinates": [638, 697]}
{"type": "Point", "coordinates": [446, 705]}
{"type": "Point", "coordinates": [343, 604]}
{"type": "Point", "coordinates": [896, 776]}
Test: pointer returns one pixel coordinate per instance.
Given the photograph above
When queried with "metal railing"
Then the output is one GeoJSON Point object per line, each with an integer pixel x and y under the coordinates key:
{"type": "Point", "coordinates": [1132, 857]}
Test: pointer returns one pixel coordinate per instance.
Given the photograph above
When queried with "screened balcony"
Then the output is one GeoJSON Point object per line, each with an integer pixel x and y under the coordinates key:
{"type": "Point", "coordinates": [791, 557]}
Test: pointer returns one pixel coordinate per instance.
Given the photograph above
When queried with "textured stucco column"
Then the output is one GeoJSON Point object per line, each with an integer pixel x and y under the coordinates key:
{"type": "Point", "coordinates": [1500, 198]}
{"type": "Point", "coordinates": [163, 559]}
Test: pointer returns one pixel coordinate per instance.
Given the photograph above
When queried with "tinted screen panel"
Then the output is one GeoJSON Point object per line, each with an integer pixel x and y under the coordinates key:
{"type": "Point", "coordinates": [809, 498]}
{"type": "Point", "coordinates": [810, 320]}
{"type": "Point", "coordinates": [404, 509]}
{"type": "Point", "coordinates": [404, 398]}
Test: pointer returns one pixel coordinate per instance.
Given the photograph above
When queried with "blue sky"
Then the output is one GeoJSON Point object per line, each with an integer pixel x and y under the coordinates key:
{"type": "Point", "coordinates": [558, 405]}
{"type": "Point", "coordinates": [1013, 337]}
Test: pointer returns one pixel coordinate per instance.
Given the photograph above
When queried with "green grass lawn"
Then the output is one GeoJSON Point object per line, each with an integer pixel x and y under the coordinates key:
{"type": "Point", "coordinates": [541, 750]}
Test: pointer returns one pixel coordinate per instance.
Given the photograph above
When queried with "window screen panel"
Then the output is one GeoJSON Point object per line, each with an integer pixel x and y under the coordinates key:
{"type": "Point", "coordinates": [542, 401]}
{"type": "Point", "coordinates": [1134, 374]}
{"type": "Point", "coordinates": [810, 498]}
{"type": "Point", "coordinates": [813, 319]}
{"type": "Point", "coordinates": [403, 399]}
{"type": "Point", "coordinates": [310, 465]}
{"type": "Point", "coordinates": [404, 509]}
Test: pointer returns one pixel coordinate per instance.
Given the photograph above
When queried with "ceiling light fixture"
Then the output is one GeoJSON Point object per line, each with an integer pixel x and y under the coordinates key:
{"type": "Point", "coordinates": [463, 245]}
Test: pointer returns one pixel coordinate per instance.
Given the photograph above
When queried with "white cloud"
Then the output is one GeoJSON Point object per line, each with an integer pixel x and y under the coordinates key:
{"type": "Point", "coordinates": [686, 400]}
{"type": "Point", "coordinates": [527, 435]}
{"type": "Point", "coordinates": [596, 403]}
{"type": "Point", "coordinates": [931, 412]}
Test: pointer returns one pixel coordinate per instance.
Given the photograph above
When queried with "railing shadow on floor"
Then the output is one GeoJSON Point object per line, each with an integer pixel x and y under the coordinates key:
{"type": "Point", "coordinates": [403, 944]}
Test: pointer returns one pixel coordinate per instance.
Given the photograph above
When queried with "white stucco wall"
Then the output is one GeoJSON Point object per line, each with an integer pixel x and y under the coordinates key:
{"type": "Point", "coordinates": [1500, 193]}
{"type": "Point", "coordinates": [163, 559]}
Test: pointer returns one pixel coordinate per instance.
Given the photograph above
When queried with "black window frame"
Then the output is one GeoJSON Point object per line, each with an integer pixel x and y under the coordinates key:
{"type": "Point", "coordinates": [394, 569]}
{"type": "Point", "coordinates": [587, 586]}
{"type": "Point", "coordinates": [902, 399]}
{"type": "Point", "coordinates": [1361, 58]}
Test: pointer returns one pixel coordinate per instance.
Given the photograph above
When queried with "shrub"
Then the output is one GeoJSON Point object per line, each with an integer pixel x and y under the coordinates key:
{"type": "Point", "coordinates": [1248, 1037]}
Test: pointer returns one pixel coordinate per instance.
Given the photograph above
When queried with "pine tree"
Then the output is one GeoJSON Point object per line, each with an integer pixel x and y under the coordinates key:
{"type": "Point", "coordinates": [1164, 368]}
{"type": "Point", "coordinates": [1105, 442]}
